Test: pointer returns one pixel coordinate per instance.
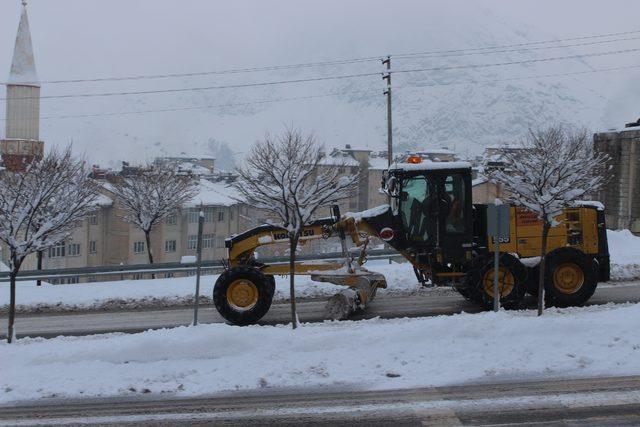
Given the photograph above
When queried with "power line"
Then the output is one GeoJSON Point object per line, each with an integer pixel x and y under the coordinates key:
{"type": "Point", "coordinates": [436, 54]}
{"type": "Point", "coordinates": [519, 44]}
{"type": "Point", "coordinates": [207, 107]}
{"type": "Point", "coordinates": [267, 101]}
{"type": "Point", "coordinates": [525, 61]}
{"type": "Point", "coordinates": [575, 73]}
{"type": "Point", "coordinates": [339, 77]}
{"type": "Point", "coordinates": [235, 86]}
{"type": "Point", "coordinates": [411, 56]}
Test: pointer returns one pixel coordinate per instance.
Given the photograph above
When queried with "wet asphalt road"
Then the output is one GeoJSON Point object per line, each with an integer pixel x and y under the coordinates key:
{"type": "Point", "coordinates": [429, 303]}
{"type": "Point", "coordinates": [585, 402]}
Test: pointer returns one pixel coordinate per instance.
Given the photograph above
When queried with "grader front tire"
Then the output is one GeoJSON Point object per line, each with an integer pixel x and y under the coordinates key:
{"type": "Point", "coordinates": [243, 295]}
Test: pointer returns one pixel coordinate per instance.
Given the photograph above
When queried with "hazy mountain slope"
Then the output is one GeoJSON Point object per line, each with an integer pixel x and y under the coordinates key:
{"type": "Point", "coordinates": [431, 109]}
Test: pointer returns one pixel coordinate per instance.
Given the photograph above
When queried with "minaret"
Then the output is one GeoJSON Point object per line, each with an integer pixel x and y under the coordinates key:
{"type": "Point", "coordinates": [22, 140]}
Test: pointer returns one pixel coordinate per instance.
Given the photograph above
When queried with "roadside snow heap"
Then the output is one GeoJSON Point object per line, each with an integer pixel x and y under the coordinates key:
{"type": "Point", "coordinates": [624, 249]}
{"type": "Point", "coordinates": [371, 354]}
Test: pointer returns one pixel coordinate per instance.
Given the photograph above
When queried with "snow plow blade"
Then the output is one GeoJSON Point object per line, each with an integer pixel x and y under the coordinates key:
{"type": "Point", "coordinates": [362, 287]}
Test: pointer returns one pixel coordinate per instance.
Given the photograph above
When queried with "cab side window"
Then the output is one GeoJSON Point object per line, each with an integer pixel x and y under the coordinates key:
{"type": "Point", "coordinates": [413, 198]}
{"type": "Point", "coordinates": [454, 198]}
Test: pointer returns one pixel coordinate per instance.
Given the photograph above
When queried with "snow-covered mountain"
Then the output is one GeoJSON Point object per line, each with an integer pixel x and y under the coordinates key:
{"type": "Point", "coordinates": [463, 109]}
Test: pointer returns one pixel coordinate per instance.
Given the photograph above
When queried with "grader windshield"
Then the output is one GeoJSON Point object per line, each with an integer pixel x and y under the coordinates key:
{"type": "Point", "coordinates": [433, 203]}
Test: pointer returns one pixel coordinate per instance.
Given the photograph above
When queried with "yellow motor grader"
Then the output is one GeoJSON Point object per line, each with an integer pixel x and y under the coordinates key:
{"type": "Point", "coordinates": [432, 222]}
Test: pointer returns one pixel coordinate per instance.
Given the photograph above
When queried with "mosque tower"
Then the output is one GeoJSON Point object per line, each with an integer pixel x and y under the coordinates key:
{"type": "Point", "coordinates": [22, 137]}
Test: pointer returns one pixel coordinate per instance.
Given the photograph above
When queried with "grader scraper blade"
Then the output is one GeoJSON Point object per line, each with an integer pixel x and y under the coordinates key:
{"type": "Point", "coordinates": [361, 289]}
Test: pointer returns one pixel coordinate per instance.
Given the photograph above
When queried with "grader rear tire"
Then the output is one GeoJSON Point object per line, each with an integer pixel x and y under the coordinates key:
{"type": "Point", "coordinates": [571, 277]}
{"type": "Point", "coordinates": [243, 295]}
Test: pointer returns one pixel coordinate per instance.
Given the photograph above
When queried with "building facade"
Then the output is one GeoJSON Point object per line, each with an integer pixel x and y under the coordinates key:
{"type": "Point", "coordinates": [621, 194]}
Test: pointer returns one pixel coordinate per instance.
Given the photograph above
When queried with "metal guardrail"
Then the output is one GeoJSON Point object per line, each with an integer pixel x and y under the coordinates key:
{"type": "Point", "coordinates": [208, 267]}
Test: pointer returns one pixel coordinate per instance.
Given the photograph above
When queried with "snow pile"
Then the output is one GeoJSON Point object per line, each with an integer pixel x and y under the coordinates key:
{"type": "Point", "coordinates": [624, 249]}
{"type": "Point", "coordinates": [372, 354]}
{"type": "Point", "coordinates": [177, 291]}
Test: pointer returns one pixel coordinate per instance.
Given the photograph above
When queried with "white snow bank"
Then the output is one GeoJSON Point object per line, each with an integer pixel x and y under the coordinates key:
{"type": "Point", "coordinates": [624, 249]}
{"type": "Point", "coordinates": [174, 291]}
{"type": "Point", "coordinates": [372, 354]}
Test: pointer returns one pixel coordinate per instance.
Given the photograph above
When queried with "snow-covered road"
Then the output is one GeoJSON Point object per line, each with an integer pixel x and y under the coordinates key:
{"type": "Point", "coordinates": [614, 401]}
{"type": "Point", "coordinates": [422, 303]}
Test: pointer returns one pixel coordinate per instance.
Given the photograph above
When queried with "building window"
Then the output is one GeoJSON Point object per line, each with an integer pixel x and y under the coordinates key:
{"type": "Point", "coordinates": [208, 215]}
{"type": "Point", "coordinates": [169, 245]}
{"type": "Point", "coordinates": [207, 241]}
{"type": "Point", "coordinates": [192, 242]}
{"type": "Point", "coordinates": [172, 219]}
{"type": "Point", "coordinates": [73, 249]}
{"type": "Point", "coordinates": [220, 215]}
{"type": "Point", "coordinates": [93, 247]}
{"type": "Point", "coordinates": [138, 247]}
{"type": "Point", "coordinates": [231, 214]}
{"type": "Point", "coordinates": [192, 216]}
{"type": "Point", "coordinates": [219, 242]}
{"type": "Point", "coordinates": [58, 250]}
{"type": "Point", "coordinates": [93, 218]}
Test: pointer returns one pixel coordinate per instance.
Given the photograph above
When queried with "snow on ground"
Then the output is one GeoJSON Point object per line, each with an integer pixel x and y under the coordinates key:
{"type": "Point", "coordinates": [624, 249]}
{"type": "Point", "coordinates": [177, 291]}
{"type": "Point", "coordinates": [371, 354]}
{"type": "Point", "coordinates": [623, 246]}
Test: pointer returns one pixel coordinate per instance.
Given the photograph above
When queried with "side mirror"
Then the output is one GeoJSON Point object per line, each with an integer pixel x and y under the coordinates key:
{"type": "Point", "coordinates": [393, 187]}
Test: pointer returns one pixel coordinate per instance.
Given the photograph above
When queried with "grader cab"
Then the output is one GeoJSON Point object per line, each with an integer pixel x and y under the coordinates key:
{"type": "Point", "coordinates": [432, 222]}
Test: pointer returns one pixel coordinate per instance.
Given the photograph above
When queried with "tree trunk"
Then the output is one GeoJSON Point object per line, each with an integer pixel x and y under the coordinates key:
{"type": "Point", "coordinates": [542, 275]}
{"type": "Point", "coordinates": [293, 240]}
{"type": "Point", "coordinates": [39, 266]}
{"type": "Point", "coordinates": [12, 304]}
{"type": "Point", "coordinates": [147, 237]}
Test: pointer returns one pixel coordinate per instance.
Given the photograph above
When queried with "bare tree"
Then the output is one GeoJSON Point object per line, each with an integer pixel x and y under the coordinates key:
{"type": "Point", "coordinates": [555, 168]}
{"type": "Point", "coordinates": [283, 176]}
{"type": "Point", "coordinates": [39, 208]}
{"type": "Point", "coordinates": [151, 194]}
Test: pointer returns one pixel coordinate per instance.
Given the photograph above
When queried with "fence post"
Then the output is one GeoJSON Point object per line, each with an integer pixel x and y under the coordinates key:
{"type": "Point", "coordinates": [196, 301]}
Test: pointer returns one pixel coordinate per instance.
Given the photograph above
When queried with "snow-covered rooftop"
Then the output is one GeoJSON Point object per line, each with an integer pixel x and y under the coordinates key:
{"type": "Point", "coordinates": [436, 151]}
{"type": "Point", "coordinates": [213, 193]}
{"type": "Point", "coordinates": [430, 166]}
{"type": "Point", "coordinates": [23, 65]}
{"type": "Point", "coordinates": [193, 168]}
{"type": "Point", "coordinates": [339, 160]}
{"type": "Point", "coordinates": [103, 200]}
{"type": "Point", "coordinates": [378, 163]}
{"type": "Point", "coordinates": [479, 181]}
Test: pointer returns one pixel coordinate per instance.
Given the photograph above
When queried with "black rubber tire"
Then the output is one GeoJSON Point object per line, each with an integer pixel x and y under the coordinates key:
{"type": "Point", "coordinates": [469, 288]}
{"type": "Point", "coordinates": [265, 284]}
{"type": "Point", "coordinates": [589, 269]}
{"type": "Point", "coordinates": [533, 274]}
{"type": "Point", "coordinates": [519, 272]}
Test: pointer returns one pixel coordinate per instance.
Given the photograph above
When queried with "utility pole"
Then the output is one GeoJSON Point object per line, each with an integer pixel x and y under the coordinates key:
{"type": "Point", "coordinates": [387, 76]}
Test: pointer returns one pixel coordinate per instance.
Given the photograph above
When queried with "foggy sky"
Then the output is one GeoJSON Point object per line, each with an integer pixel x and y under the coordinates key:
{"type": "Point", "coordinates": [92, 38]}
